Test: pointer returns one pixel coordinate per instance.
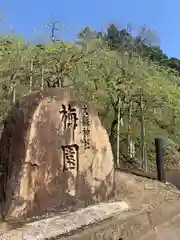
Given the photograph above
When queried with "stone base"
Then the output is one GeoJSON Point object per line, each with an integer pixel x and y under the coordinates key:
{"type": "Point", "coordinates": [60, 225]}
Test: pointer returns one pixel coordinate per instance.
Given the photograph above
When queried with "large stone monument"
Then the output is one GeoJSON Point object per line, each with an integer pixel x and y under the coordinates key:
{"type": "Point", "coordinates": [55, 154]}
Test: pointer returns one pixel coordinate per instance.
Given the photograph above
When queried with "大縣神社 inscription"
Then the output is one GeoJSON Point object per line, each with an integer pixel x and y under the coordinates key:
{"type": "Point", "coordinates": [86, 125]}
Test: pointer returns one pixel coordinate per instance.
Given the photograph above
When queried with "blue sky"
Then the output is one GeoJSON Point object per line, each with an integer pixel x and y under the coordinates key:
{"type": "Point", "coordinates": [30, 17]}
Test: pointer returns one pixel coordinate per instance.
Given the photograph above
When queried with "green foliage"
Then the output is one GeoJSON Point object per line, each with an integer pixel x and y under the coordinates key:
{"type": "Point", "coordinates": [106, 67]}
{"type": "Point", "coordinates": [144, 43]}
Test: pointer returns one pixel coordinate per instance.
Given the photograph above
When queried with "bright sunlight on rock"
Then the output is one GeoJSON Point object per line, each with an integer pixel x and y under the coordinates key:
{"type": "Point", "coordinates": [55, 154]}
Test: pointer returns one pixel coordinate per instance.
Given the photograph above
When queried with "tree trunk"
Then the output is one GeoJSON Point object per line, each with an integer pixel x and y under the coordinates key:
{"type": "Point", "coordinates": [13, 88]}
{"type": "Point", "coordinates": [129, 129]}
{"type": "Point", "coordinates": [42, 79]}
{"type": "Point", "coordinates": [14, 94]}
{"type": "Point", "coordinates": [132, 150]}
{"type": "Point", "coordinates": [118, 133]}
{"type": "Point", "coordinates": [31, 76]}
{"type": "Point", "coordinates": [143, 159]}
{"type": "Point", "coordinates": [112, 130]}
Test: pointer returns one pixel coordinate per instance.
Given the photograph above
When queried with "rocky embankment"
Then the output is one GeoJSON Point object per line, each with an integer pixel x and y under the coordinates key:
{"type": "Point", "coordinates": [151, 204]}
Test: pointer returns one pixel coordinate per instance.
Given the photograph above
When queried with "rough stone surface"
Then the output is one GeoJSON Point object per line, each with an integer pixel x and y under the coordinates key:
{"type": "Point", "coordinates": [149, 209]}
{"type": "Point", "coordinates": [153, 213]}
{"type": "Point", "coordinates": [55, 153]}
{"type": "Point", "coordinates": [58, 226]}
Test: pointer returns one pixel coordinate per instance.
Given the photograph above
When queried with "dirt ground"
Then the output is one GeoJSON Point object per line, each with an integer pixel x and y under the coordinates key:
{"type": "Point", "coordinates": [151, 203]}
{"type": "Point", "coordinates": [140, 191]}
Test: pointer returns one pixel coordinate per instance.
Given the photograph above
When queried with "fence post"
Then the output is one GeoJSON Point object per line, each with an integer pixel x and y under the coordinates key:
{"type": "Point", "coordinates": [160, 160]}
